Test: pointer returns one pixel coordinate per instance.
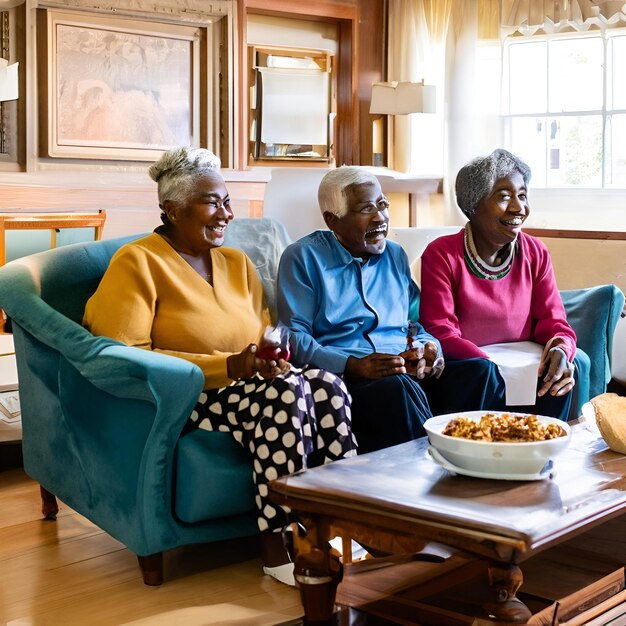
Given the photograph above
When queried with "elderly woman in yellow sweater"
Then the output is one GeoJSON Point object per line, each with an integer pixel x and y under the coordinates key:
{"type": "Point", "coordinates": [179, 292]}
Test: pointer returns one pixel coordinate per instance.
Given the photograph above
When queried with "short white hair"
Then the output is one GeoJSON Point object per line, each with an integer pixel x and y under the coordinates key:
{"type": "Point", "coordinates": [331, 194]}
{"type": "Point", "coordinates": [177, 171]}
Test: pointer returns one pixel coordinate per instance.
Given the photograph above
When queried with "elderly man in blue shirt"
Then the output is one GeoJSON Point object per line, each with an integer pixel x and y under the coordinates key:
{"type": "Point", "coordinates": [347, 296]}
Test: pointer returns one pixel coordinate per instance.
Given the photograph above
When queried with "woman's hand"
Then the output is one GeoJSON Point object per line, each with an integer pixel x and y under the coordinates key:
{"type": "Point", "coordinates": [559, 377]}
{"type": "Point", "coordinates": [246, 364]}
{"type": "Point", "coordinates": [375, 365]}
{"type": "Point", "coordinates": [425, 358]}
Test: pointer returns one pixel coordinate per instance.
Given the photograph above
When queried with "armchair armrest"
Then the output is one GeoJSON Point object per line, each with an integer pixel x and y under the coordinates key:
{"type": "Point", "coordinates": [593, 314]}
{"type": "Point", "coordinates": [111, 414]}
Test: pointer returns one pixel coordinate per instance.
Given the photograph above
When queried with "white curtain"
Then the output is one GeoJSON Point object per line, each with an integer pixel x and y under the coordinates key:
{"type": "Point", "coordinates": [528, 16]}
{"type": "Point", "coordinates": [416, 52]}
{"type": "Point", "coordinates": [437, 41]}
{"type": "Point", "coordinates": [461, 131]}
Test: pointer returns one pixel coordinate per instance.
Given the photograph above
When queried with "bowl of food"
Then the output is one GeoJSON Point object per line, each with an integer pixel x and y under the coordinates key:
{"type": "Point", "coordinates": [497, 443]}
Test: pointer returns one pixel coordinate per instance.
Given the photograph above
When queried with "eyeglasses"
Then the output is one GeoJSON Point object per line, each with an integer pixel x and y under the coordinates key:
{"type": "Point", "coordinates": [371, 208]}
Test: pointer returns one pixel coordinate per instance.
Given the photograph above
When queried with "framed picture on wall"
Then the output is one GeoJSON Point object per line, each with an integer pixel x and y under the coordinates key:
{"type": "Point", "coordinates": [117, 88]}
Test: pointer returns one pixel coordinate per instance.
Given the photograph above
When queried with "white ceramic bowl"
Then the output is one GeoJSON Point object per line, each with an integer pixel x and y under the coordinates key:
{"type": "Point", "coordinates": [491, 457]}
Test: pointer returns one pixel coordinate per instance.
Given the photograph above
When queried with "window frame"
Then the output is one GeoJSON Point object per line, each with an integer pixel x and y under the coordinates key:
{"type": "Point", "coordinates": [606, 111]}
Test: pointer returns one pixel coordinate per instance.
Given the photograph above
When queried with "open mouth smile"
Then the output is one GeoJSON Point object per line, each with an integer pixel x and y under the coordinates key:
{"type": "Point", "coordinates": [376, 232]}
{"type": "Point", "coordinates": [516, 221]}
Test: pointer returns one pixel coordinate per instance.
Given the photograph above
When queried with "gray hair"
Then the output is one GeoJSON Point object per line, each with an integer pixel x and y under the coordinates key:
{"type": "Point", "coordinates": [475, 181]}
{"type": "Point", "coordinates": [331, 194]}
{"type": "Point", "coordinates": [177, 171]}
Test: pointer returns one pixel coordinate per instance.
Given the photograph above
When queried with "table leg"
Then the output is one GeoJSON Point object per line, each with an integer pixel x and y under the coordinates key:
{"type": "Point", "coordinates": [505, 580]}
{"type": "Point", "coordinates": [318, 571]}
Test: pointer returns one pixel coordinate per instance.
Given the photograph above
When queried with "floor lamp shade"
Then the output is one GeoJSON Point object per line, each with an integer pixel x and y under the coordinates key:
{"type": "Point", "coordinates": [402, 98]}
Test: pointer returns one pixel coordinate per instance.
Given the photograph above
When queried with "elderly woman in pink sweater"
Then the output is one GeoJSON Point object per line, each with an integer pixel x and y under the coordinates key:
{"type": "Point", "coordinates": [492, 284]}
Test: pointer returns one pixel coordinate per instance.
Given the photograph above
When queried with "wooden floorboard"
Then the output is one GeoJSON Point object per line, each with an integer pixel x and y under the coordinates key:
{"type": "Point", "coordinates": [71, 573]}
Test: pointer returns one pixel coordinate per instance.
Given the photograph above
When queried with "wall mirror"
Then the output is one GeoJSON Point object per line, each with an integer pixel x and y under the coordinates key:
{"type": "Point", "coordinates": [292, 104]}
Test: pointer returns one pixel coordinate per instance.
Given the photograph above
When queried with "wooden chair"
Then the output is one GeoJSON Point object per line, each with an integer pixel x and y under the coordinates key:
{"type": "Point", "coordinates": [44, 220]}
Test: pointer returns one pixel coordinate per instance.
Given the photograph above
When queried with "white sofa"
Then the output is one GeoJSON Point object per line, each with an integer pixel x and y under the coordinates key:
{"type": "Point", "coordinates": [415, 240]}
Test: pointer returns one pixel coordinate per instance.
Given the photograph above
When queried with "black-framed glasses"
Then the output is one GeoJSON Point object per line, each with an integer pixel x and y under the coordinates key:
{"type": "Point", "coordinates": [372, 207]}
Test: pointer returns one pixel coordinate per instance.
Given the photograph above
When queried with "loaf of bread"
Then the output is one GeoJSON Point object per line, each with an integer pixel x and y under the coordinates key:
{"type": "Point", "coordinates": [610, 410]}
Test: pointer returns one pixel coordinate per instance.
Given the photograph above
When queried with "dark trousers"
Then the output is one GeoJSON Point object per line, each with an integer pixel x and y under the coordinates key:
{"type": "Point", "coordinates": [466, 385]}
{"type": "Point", "coordinates": [387, 411]}
{"type": "Point", "coordinates": [391, 410]}
{"type": "Point", "coordinates": [476, 384]}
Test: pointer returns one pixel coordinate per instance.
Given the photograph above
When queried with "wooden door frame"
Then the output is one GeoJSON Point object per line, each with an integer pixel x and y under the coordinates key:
{"type": "Point", "coordinates": [346, 148]}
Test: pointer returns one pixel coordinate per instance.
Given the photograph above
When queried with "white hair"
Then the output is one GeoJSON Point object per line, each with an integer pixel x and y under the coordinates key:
{"type": "Point", "coordinates": [331, 194]}
{"type": "Point", "coordinates": [177, 171]}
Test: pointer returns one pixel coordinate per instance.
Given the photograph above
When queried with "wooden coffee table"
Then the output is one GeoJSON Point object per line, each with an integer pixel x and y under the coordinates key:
{"type": "Point", "coordinates": [400, 501]}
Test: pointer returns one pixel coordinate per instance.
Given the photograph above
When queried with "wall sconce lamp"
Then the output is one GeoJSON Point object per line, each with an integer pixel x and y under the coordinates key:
{"type": "Point", "coordinates": [397, 98]}
{"type": "Point", "coordinates": [8, 81]}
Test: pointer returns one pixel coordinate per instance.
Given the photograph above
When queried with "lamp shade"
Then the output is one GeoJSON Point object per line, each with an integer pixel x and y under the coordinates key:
{"type": "Point", "coordinates": [8, 81]}
{"type": "Point", "coordinates": [402, 98]}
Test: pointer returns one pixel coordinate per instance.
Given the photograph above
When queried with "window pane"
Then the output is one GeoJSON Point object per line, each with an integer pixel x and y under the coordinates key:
{"type": "Point", "coordinates": [528, 141]}
{"type": "Point", "coordinates": [528, 77]}
{"type": "Point", "coordinates": [575, 147]}
{"type": "Point", "coordinates": [575, 74]}
{"type": "Point", "coordinates": [616, 168]}
{"type": "Point", "coordinates": [619, 71]}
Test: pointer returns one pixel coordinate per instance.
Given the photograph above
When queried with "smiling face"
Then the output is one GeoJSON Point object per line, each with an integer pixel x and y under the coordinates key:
{"type": "Point", "coordinates": [499, 217]}
{"type": "Point", "coordinates": [200, 222]}
{"type": "Point", "coordinates": [363, 229]}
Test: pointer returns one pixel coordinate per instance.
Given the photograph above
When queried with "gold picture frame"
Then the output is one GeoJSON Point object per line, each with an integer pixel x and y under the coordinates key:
{"type": "Point", "coordinates": [117, 88]}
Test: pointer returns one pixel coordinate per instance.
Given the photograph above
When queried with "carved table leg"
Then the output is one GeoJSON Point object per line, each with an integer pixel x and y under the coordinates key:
{"type": "Point", "coordinates": [505, 580]}
{"type": "Point", "coordinates": [318, 571]}
{"type": "Point", "coordinates": [49, 505]}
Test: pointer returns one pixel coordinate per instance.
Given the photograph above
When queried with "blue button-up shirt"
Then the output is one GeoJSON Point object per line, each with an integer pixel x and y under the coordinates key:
{"type": "Point", "coordinates": [337, 306]}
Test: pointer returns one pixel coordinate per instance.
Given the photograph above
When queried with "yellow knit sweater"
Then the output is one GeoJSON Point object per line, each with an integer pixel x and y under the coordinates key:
{"type": "Point", "coordinates": [151, 298]}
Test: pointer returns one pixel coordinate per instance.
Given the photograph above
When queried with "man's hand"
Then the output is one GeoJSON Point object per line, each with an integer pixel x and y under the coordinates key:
{"type": "Point", "coordinates": [424, 360]}
{"type": "Point", "coordinates": [246, 364]}
{"type": "Point", "coordinates": [375, 365]}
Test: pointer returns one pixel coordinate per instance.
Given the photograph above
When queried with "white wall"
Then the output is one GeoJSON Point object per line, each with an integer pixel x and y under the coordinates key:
{"type": "Point", "coordinates": [291, 198]}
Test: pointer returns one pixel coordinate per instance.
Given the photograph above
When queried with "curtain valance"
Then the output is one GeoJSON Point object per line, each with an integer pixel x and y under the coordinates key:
{"type": "Point", "coordinates": [528, 16]}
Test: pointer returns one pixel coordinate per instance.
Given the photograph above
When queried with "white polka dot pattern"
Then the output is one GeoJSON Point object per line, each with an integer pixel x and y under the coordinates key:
{"type": "Point", "coordinates": [292, 422]}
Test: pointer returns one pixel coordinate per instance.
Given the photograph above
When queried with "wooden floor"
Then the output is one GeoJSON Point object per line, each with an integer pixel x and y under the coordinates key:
{"type": "Point", "coordinates": [69, 573]}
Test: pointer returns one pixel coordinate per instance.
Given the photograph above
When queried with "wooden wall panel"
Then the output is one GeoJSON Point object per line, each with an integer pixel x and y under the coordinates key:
{"type": "Point", "coordinates": [581, 261]}
{"type": "Point", "coordinates": [371, 65]}
{"type": "Point", "coordinates": [129, 210]}
{"type": "Point", "coordinates": [360, 62]}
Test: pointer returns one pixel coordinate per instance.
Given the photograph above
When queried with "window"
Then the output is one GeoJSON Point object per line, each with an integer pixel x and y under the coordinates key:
{"type": "Point", "coordinates": [565, 108]}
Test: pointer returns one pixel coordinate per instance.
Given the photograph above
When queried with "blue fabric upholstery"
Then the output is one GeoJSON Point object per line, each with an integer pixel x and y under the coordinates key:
{"type": "Point", "coordinates": [102, 421]}
{"type": "Point", "coordinates": [593, 314]}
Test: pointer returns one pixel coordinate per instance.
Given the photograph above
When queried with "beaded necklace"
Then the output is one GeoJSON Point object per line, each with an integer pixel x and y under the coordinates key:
{"type": "Point", "coordinates": [477, 266]}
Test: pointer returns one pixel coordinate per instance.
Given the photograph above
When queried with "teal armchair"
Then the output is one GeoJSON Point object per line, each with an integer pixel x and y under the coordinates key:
{"type": "Point", "coordinates": [102, 421]}
{"type": "Point", "coordinates": [593, 314]}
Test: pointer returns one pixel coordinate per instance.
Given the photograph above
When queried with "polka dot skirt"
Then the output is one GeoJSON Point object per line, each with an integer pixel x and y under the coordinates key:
{"type": "Point", "coordinates": [297, 420]}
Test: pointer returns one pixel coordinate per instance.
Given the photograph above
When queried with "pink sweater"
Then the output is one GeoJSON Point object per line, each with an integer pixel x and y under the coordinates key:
{"type": "Point", "coordinates": [464, 311]}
